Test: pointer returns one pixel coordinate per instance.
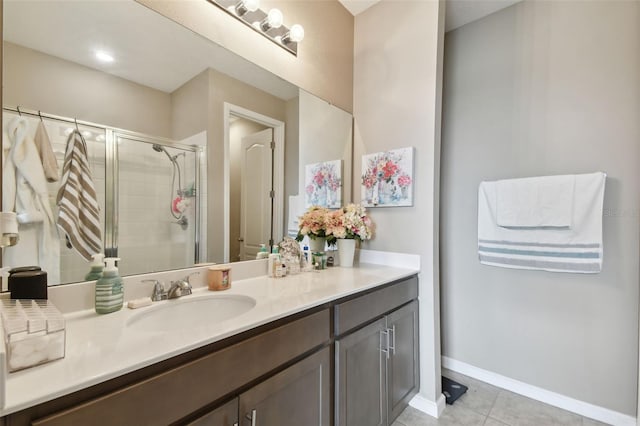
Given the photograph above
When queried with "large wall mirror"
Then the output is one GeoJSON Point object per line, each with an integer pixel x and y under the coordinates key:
{"type": "Point", "coordinates": [196, 154]}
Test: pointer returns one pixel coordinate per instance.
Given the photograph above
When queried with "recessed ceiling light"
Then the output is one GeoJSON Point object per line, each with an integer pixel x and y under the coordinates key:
{"type": "Point", "coordinates": [104, 56]}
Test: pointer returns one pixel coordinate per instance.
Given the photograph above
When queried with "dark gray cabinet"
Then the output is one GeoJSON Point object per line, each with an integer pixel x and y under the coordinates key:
{"type": "Point", "coordinates": [402, 366]}
{"type": "Point", "coordinates": [377, 366]}
{"type": "Point", "coordinates": [225, 415]}
{"type": "Point", "coordinates": [361, 370]}
{"type": "Point", "coordinates": [299, 395]}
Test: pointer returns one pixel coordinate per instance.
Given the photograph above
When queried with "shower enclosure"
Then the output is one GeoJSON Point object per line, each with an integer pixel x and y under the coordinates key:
{"type": "Point", "coordinates": [158, 223]}
{"type": "Point", "coordinates": [148, 190]}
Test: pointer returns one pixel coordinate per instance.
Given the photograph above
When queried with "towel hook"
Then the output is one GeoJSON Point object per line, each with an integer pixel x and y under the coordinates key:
{"type": "Point", "coordinates": [18, 108]}
{"type": "Point", "coordinates": [40, 115]}
{"type": "Point", "coordinates": [76, 121]}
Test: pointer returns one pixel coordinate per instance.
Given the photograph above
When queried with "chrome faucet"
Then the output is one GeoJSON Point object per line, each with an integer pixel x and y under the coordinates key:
{"type": "Point", "coordinates": [180, 287]}
{"type": "Point", "coordinates": [158, 291]}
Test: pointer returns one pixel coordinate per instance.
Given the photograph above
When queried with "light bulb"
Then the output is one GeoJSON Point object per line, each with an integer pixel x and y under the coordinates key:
{"type": "Point", "coordinates": [245, 6]}
{"type": "Point", "coordinates": [274, 18]}
{"type": "Point", "coordinates": [296, 33]}
{"type": "Point", "coordinates": [252, 5]}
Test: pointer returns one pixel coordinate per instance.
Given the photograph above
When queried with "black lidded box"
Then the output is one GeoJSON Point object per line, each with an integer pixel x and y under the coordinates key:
{"type": "Point", "coordinates": [28, 282]}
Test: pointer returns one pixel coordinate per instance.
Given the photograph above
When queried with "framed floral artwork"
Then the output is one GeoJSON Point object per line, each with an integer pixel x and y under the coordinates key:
{"type": "Point", "coordinates": [387, 178]}
{"type": "Point", "coordinates": [323, 184]}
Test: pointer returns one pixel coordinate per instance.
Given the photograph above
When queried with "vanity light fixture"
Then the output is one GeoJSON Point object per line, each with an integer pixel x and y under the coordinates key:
{"type": "Point", "coordinates": [270, 24]}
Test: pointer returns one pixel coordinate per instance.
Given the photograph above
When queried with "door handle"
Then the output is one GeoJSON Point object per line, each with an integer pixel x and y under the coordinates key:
{"type": "Point", "coordinates": [241, 239]}
{"type": "Point", "coordinates": [384, 342]}
{"type": "Point", "coordinates": [252, 416]}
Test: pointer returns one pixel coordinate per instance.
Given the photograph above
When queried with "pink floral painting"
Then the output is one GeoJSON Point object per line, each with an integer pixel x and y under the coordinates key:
{"type": "Point", "coordinates": [387, 178]}
{"type": "Point", "coordinates": [323, 184]}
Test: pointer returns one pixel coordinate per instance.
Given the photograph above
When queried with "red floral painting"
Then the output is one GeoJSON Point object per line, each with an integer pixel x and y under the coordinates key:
{"type": "Point", "coordinates": [387, 178]}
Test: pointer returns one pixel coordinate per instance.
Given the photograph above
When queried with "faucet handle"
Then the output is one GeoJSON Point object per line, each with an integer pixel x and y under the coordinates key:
{"type": "Point", "coordinates": [159, 292]}
{"type": "Point", "coordinates": [190, 275]}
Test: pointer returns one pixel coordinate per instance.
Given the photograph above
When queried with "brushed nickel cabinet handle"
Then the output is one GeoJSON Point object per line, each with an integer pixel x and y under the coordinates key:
{"type": "Point", "coordinates": [392, 333]}
{"type": "Point", "coordinates": [384, 342]}
{"type": "Point", "coordinates": [252, 416]}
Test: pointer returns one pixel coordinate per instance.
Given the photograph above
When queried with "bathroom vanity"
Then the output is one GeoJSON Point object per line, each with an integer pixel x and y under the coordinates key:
{"type": "Point", "coordinates": [335, 347]}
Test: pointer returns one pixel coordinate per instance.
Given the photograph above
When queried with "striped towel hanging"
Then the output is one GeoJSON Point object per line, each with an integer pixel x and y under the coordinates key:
{"type": "Point", "coordinates": [78, 210]}
{"type": "Point", "coordinates": [577, 248]}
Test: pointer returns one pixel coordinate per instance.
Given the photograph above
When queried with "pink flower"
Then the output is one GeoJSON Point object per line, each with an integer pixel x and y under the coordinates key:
{"type": "Point", "coordinates": [389, 170]}
{"type": "Point", "coordinates": [404, 181]}
{"type": "Point", "coordinates": [309, 189]}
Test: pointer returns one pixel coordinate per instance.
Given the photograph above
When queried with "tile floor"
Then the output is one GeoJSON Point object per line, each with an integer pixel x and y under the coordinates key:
{"type": "Point", "coordinates": [487, 405]}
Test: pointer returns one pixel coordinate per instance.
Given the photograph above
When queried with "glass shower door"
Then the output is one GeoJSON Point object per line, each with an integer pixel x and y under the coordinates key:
{"type": "Point", "coordinates": [157, 205]}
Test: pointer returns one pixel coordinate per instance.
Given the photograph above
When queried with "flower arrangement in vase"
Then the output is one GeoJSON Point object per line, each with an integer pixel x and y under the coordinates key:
{"type": "Point", "coordinates": [313, 224]}
{"type": "Point", "coordinates": [346, 226]}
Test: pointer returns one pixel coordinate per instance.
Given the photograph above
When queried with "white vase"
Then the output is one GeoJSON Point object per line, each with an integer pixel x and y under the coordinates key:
{"type": "Point", "coordinates": [346, 252]}
{"type": "Point", "coordinates": [317, 244]}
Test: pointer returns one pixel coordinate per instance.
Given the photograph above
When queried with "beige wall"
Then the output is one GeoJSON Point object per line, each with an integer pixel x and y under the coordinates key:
{"type": "Point", "coordinates": [291, 156]}
{"type": "Point", "coordinates": [327, 134]}
{"type": "Point", "coordinates": [324, 65]}
{"type": "Point", "coordinates": [396, 104]}
{"type": "Point", "coordinates": [81, 92]}
{"type": "Point", "coordinates": [545, 88]}
{"type": "Point", "coordinates": [189, 107]}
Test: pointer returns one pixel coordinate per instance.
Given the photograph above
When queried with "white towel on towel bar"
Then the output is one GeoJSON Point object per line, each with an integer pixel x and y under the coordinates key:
{"type": "Point", "coordinates": [575, 249]}
{"type": "Point", "coordinates": [545, 201]}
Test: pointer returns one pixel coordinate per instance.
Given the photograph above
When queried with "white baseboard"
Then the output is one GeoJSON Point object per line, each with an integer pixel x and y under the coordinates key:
{"type": "Point", "coordinates": [548, 397]}
{"type": "Point", "coordinates": [434, 409]}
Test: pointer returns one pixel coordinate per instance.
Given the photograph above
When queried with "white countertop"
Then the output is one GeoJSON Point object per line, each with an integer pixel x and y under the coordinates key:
{"type": "Point", "coordinates": [102, 347]}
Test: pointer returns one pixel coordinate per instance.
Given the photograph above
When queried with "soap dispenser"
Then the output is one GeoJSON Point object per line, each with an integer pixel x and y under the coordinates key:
{"type": "Point", "coordinates": [262, 254]}
{"type": "Point", "coordinates": [109, 291]}
{"type": "Point", "coordinates": [96, 267]}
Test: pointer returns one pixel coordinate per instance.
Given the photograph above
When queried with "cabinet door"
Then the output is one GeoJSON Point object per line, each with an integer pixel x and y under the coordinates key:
{"type": "Point", "coordinates": [361, 377]}
{"type": "Point", "coordinates": [403, 364]}
{"type": "Point", "coordinates": [296, 396]}
{"type": "Point", "coordinates": [225, 415]}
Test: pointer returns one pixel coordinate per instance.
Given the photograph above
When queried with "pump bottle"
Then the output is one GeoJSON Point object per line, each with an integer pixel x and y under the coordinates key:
{"type": "Point", "coordinates": [109, 291]}
{"type": "Point", "coordinates": [96, 267]}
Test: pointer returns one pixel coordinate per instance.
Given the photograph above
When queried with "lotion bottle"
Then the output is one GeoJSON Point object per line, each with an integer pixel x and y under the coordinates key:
{"type": "Point", "coordinates": [109, 291]}
{"type": "Point", "coordinates": [274, 262]}
{"type": "Point", "coordinates": [97, 267]}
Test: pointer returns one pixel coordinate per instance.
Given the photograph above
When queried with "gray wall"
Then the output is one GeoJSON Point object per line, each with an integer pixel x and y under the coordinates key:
{"type": "Point", "coordinates": [545, 88]}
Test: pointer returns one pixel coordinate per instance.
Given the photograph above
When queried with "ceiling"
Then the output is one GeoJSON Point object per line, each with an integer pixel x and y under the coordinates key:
{"type": "Point", "coordinates": [149, 49]}
{"type": "Point", "coordinates": [458, 12]}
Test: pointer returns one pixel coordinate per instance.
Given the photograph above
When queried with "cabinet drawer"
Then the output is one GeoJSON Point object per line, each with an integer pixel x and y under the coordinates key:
{"type": "Point", "coordinates": [170, 396]}
{"type": "Point", "coordinates": [355, 312]}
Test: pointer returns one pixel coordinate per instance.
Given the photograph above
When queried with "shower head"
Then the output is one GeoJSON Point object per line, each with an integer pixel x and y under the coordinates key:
{"type": "Point", "coordinates": [159, 148]}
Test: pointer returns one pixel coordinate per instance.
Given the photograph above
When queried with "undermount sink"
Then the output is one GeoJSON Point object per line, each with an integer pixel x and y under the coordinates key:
{"type": "Point", "coordinates": [189, 312]}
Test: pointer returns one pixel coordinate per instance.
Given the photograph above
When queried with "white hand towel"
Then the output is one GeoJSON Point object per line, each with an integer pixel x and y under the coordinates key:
{"type": "Point", "coordinates": [545, 201]}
